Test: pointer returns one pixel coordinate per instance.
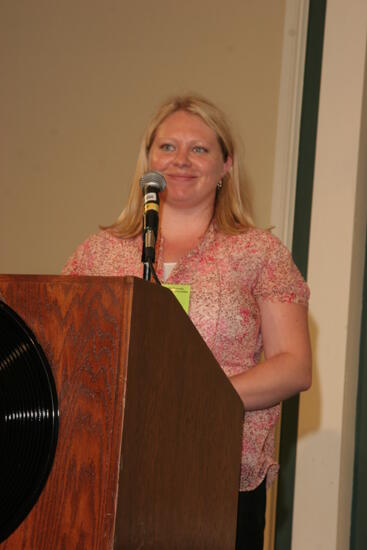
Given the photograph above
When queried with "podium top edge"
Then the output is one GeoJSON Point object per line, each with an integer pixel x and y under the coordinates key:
{"type": "Point", "coordinates": [129, 281]}
{"type": "Point", "coordinates": [64, 278]}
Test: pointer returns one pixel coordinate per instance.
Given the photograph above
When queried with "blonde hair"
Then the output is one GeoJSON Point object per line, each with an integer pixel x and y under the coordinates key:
{"type": "Point", "coordinates": [233, 211]}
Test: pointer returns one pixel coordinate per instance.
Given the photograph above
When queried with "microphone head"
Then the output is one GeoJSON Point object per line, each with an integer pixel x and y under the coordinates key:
{"type": "Point", "coordinates": [152, 179]}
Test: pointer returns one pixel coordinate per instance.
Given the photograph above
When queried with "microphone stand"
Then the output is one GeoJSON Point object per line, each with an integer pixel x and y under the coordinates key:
{"type": "Point", "coordinates": [148, 255]}
{"type": "Point", "coordinates": [147, 271]}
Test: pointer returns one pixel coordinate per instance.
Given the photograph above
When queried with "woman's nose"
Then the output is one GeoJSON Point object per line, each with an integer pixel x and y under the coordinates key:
{"type": "Point", "coordinates": [182, 157]}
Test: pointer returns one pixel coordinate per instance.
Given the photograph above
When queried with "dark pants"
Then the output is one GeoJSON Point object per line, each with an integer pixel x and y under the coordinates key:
{"type": "Point", "coordinates": [251, 519]}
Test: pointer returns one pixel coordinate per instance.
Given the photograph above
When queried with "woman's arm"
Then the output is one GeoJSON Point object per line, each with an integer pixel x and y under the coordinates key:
{"type": "Point", "coordinates": [287, 368]}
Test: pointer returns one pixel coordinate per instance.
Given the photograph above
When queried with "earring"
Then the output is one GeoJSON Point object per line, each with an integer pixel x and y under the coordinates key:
{"type": "Point", "coordinates": [220, 185]}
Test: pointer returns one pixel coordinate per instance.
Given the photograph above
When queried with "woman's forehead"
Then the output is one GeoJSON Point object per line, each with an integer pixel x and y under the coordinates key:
{"type": "Point", "coordinates": [184, 122]}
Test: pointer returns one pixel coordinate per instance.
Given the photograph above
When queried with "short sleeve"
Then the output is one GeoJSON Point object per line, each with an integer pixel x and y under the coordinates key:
{"type": "Point", "coordinates": [279, 278]}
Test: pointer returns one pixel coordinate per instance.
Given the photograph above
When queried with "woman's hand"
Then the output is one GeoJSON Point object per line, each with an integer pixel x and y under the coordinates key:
{"type": "Point", "coordinates": [287, 368]}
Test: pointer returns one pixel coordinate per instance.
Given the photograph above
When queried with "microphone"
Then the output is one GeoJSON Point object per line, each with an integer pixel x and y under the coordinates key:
{"type": "Point", "coordinates": [151, 184]}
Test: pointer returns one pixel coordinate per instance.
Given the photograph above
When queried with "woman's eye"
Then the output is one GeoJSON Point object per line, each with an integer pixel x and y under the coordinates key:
{"type": "Point", "coordinates": [167, 147]}
{"type": "Point", "coordinates": [200, 149]}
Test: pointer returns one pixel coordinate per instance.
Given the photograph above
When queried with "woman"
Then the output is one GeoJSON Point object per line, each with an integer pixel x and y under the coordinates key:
{"type": "Point", "coordinates": [247, 296]}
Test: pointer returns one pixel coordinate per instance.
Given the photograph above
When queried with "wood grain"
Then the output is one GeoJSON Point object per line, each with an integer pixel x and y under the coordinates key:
{"type": "Point", "coordinates": [150, 427]}
{"type": "Point", "coordinates": [81, 329]}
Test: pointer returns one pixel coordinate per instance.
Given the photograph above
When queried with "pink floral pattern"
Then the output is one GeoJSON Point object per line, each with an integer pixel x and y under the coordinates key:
{"type": "Point", "coordinates": [227, 274]}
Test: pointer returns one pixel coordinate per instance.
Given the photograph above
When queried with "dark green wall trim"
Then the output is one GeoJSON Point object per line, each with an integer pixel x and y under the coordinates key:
{"type": "Point", "coordinates": [301, 232]}
{"type": "Point", "coordinates": [358, 532]}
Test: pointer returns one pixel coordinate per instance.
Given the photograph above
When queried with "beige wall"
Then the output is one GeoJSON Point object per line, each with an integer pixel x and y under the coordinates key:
{"type": "Point", "coordinates": [322, 509]}
{"type": "Point", "coordinates": [79, 80]}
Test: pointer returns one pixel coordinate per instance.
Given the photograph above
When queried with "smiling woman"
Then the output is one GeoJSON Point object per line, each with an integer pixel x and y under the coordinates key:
{"type": "Point", "coordinates": [187, 152]}
{"type": "Point", "coordinates": [247, 296]}
{"type": "Point", "coordinates": [232, 208]}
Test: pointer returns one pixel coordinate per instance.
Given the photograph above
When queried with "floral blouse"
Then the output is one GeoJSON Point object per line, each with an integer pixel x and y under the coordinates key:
{"type": "Point", "coordinates": [227, 275]}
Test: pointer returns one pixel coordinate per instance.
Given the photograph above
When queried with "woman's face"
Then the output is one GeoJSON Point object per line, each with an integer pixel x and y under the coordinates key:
{"type": "Point", "coordinates": [187, 152]}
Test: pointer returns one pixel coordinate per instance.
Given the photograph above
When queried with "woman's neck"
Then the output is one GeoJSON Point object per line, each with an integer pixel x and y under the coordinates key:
{"type": "Point", "coordinates": [182, 230]}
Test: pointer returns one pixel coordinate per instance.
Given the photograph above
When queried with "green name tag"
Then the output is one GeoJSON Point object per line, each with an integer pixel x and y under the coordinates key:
{"type": "Point", "coordinates": [182, 293]}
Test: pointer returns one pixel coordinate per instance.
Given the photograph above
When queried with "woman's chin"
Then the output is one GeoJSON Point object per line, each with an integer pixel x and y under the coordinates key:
{"type": "Point", "coordinates": [177, 196]}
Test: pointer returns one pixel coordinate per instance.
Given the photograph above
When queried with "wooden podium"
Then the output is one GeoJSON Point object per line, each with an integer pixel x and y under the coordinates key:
{"type": "Point", "coordinates": [148, 453]}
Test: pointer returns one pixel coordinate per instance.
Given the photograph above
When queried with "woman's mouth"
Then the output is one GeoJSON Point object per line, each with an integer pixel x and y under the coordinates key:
{"type": "Point", "coordinates": [181, 177]}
